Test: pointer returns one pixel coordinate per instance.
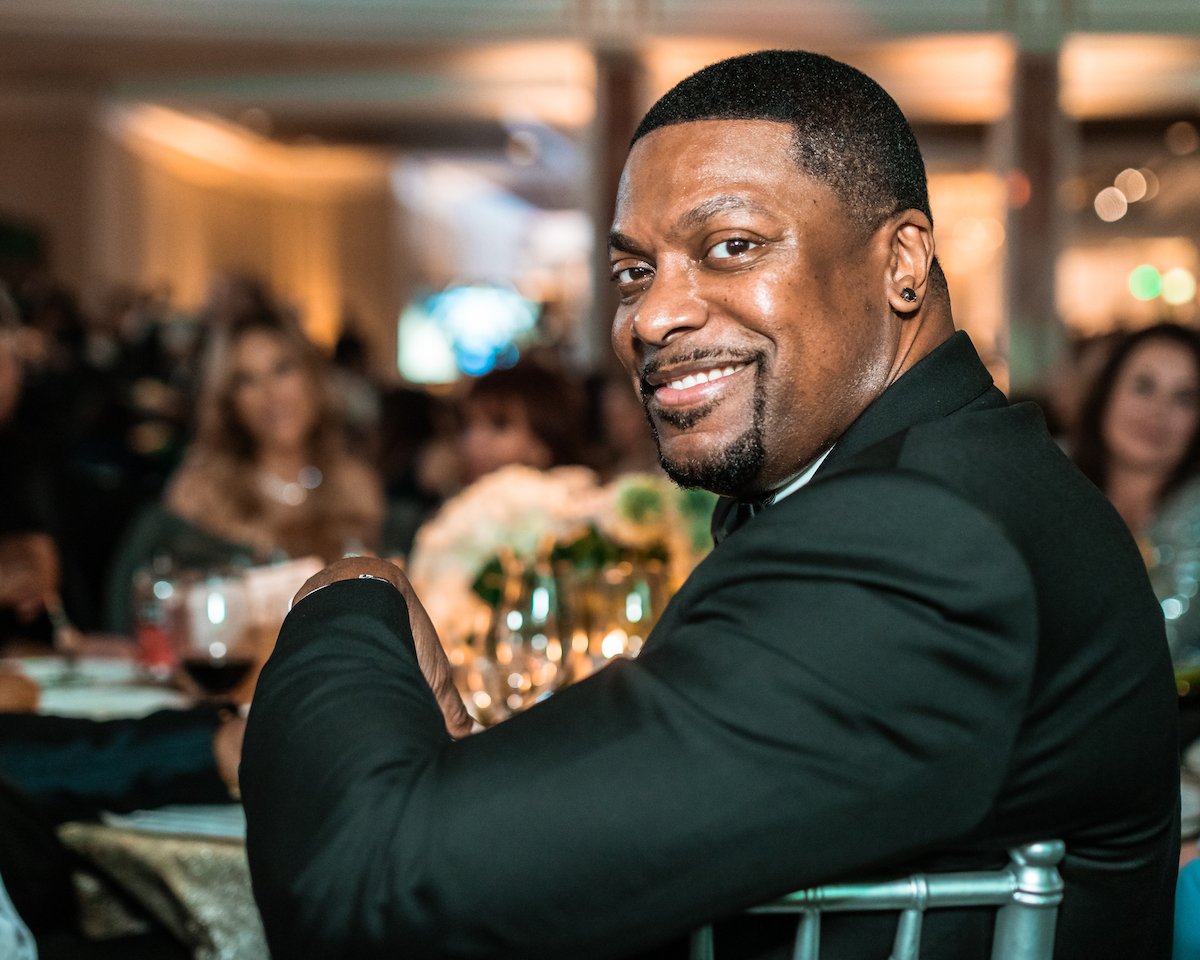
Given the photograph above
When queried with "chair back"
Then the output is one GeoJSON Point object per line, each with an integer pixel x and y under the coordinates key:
{"type": "Point", "coordinates": [1026, 891]}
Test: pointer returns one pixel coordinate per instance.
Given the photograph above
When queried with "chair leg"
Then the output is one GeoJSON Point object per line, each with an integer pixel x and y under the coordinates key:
{"type": "Point", "coordinates": [702, 944]}
{"type": "Point", "coordinates": [907, 945]}
{"type": "Point", "coordinates": [808, 936]}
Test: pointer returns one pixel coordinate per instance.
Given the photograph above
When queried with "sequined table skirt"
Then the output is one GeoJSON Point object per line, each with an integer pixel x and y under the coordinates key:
{"type": "Point", "coordinates": [198, 888]}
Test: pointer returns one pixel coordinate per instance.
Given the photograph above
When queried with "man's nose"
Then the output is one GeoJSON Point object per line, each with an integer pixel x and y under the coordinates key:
{"type": "Point", "coordinates": [671, 306]}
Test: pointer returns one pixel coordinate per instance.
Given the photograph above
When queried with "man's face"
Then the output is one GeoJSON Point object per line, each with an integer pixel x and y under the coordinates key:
{"type": "Point", "coordinates": [753, 316]}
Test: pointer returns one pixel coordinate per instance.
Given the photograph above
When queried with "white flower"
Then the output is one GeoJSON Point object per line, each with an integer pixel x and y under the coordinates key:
{"type": "Point", "coordinates": [515, 507]}
{"type": "Point", "coordinates": [523, 510]}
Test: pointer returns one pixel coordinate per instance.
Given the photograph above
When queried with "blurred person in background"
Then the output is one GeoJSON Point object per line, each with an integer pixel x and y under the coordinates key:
{"type": "Point", "coordinates": [29, 565]}
{"type": "Point", "coordinates": [267, 477]}
{"type": "Point", "coordinates": [54, 769]}
{"type": "Point", "coordinates": [529, 414]}
{"type": "Point", "coordinates": [57, 769]}
{"type": "Point", "coordinates": [1137, 436]}
{"type": "Point", "coordinates": [1138, 439]}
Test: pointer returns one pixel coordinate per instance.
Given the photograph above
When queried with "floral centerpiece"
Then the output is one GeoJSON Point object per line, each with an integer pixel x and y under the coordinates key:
{"type": "Point", "coordinates": [564, 515]}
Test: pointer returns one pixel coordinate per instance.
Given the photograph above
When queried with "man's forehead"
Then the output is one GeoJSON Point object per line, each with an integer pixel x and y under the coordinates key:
{"type": "Point", "coordinates": [684, 180]}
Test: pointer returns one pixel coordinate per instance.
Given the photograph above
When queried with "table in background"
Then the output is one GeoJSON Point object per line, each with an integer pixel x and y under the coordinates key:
{"type": "Point", "coordinates": [185, 867]}
{"type": "Point", "coordinates": [105, 682]}
{"type": "Point", "coordinates": [196, 885]}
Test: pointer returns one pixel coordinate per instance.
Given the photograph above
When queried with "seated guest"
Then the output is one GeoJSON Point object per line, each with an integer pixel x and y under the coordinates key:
{"type": "Point", "coordinates": [29, 560]}
{"type": "Point", "coordinates": [54, 769]}
{"type": "Point", "coordinates": [1138, 439]}
{"type": "Point", "coordinates": [922, 637]}
{"type": "Point", "coordinates": [267, 476]}
{"type": "Point", "coordinates": [529, 415]}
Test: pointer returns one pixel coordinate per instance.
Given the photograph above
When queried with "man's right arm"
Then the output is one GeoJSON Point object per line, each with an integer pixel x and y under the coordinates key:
{"type": "Point", "coordinates": [803, 712]}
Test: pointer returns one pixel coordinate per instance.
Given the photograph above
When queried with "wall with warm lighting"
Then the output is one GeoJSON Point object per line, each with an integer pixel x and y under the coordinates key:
{"type": "Point", "coordinates": [183, 200]}
{"type": "Point", "coordinates": [44, 173]}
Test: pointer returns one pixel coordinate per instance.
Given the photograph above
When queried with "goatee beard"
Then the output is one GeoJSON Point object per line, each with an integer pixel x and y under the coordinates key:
{"type": "Point", "coordinates": [728, 471]}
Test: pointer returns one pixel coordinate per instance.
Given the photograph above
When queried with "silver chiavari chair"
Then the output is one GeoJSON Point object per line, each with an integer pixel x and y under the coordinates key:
{"type": "Point", "coordinates": [1026, 891]}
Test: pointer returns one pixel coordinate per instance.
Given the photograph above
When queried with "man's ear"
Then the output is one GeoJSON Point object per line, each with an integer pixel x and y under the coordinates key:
{"type": "Point", "coordinates": [911, 259]}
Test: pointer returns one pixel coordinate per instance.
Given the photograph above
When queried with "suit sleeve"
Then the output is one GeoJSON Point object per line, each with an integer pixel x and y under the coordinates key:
{"type": "Point", "coordinates": [825, 680]}
{"type": "Point", "coordinates": [73, 768]}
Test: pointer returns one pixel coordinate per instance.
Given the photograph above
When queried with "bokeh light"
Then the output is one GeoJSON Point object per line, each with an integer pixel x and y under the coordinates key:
{"type": "Point", "coordinates": [1182, 138]}
{"type": "Point", "coordinates": [1145, 282]}
{"type": "Point", "coordinates": [1132, 183]}
{"type": "Point", "coordinates": [1110, 204]}
{"type": "Point", "coordinates": [1178, 286]}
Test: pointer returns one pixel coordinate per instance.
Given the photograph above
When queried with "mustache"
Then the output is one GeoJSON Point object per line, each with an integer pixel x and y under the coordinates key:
{"type": "Point", "coordinates": [655, 364]}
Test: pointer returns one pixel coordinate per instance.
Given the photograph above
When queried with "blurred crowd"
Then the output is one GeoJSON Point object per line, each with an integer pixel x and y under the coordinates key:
{"type": "Point", "coordinates": [140, 436]}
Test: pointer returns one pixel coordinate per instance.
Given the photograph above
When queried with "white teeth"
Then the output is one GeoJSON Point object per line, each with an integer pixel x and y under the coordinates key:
{"type": "Point", "coordinates": [703, 376]}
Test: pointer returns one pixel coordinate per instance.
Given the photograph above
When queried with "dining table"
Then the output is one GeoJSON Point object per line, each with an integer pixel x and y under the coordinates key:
{"type": "Point", "coordinates": [182, 866]}
{"type": "Point", "coordinates": [185, 867]}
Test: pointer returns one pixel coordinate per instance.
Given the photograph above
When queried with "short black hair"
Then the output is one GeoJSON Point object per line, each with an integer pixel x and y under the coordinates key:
{"type": "Point", "coordinates": [849, 133]}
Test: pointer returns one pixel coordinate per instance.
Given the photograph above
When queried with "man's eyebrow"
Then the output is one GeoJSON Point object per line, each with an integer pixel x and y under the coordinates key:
{"type": "Point", "coordinates": [706, 209]}
{"type": "Point", "coordinates": [690, 220]}
{"type": "Point", "coordinates": [619, 241]}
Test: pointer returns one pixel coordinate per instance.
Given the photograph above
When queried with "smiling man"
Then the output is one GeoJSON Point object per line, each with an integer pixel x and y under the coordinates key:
{"type": "Point", "coordinates": [922, 638]}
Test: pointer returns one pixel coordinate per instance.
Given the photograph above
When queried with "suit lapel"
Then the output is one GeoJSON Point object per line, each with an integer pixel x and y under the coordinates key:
{"type": "Point", "coordinates": [950, 378]}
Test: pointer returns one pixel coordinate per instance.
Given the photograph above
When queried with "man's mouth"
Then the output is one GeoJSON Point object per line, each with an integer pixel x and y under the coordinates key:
{"type": "Point", "coordinates": [692, 386]}
{"type": "Point", "coordinates": [704, 376]}
{"type": "Point", "coordinates": [684, 391]}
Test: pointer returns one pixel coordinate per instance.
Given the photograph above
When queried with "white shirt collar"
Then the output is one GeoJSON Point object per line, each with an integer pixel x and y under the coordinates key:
{"type": "Point", "coordinates": [801, 479]}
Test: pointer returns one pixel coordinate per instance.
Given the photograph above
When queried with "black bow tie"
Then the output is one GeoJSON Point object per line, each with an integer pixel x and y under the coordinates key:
{"type": "Point", "coordinates": [730, 514]}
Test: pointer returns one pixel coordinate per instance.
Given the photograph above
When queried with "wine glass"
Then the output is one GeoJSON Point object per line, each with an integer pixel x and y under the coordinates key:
{"type": "Point", "coordinates": [214, 647]}
{"type": "Point", "coordinates": [521, 659]}
{"type": "Point", "coordinates": [630, 596]}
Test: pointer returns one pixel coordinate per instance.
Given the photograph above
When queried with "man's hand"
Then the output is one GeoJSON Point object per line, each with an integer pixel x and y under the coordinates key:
{"type": "Point", "coordinates": [430, 654]}
{"type": "Point", "coordinates": [227, 750]}
{"type": "Point", "coordinates": [28, 573]}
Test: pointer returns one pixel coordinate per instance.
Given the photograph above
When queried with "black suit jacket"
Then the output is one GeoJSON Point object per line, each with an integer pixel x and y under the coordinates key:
{"type": "Point", "coordinates": [944, 645]}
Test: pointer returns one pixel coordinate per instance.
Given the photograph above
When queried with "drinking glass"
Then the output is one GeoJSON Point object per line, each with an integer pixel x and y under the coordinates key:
{"type": "Point", "coordinates": [215, 649]}
{"type": "Point", "coordinates": [521, 657]}
{"type": "Point", "coordinates": [630, 596]}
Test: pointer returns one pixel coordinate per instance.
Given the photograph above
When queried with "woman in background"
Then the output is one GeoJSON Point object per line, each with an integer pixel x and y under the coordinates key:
{"type": "Point", "coordinates": [268, 475]}
{"type": "Point", "coordinates": [529, 414]}
{"type": "Point", "coordinates": [1137, 437]}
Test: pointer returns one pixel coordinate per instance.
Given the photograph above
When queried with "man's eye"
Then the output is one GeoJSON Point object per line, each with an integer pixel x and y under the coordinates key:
{"type": "Point", "coordinates": [734, 247]}
{"type": "Point", "coordinates": [630, 275]}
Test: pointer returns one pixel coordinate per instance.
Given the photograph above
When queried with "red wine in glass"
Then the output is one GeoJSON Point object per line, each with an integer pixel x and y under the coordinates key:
{"type": "Point", "coordinates": [217, 677]}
